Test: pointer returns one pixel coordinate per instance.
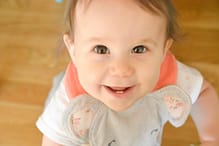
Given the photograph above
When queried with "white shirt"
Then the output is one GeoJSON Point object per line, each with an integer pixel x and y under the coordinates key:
{"type": "Point", "coordinates": [50, 123]}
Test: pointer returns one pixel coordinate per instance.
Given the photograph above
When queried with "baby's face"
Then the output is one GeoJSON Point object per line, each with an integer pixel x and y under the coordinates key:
{"type": "Point", "coordinates": [118, 49]}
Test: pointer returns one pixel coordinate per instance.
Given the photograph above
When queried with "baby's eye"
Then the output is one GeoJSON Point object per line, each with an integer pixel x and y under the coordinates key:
{"type": "Point", "coordinates": [139, 49]}
{"type": "Point", "coordinates": [101, 49]}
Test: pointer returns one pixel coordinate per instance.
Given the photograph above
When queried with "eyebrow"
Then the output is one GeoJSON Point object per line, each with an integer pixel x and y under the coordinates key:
{"type": "Point", "coordinates": [96, 39]}
{"type": "Point", "coordinates": [151, 41]}
{"type": "Point", "coordinates": [139, 41]}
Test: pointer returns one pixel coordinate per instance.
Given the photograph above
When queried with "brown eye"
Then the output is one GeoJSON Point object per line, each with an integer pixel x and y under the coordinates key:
{"type": "Point", "coordinates": [139, 49]}
{"type": "Point", "coordinates": [100, 49]}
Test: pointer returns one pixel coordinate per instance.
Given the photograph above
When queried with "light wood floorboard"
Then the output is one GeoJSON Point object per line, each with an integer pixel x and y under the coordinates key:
{"type": "Point", "coordinates": [28, 62]}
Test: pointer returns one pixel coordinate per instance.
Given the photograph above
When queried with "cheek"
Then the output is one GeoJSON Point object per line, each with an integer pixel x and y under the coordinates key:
{"type": "Point", "coordinates": [149, 76]}
{"type": "Point", "coordinates": [90, 75]}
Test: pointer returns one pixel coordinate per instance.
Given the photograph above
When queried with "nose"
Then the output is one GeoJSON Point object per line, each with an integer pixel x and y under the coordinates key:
{"type": "Point", "coordinates": [121, 68]}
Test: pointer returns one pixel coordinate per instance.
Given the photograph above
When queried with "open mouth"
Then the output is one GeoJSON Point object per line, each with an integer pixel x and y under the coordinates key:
{"type": "Point", "coordinates": [119, 91]}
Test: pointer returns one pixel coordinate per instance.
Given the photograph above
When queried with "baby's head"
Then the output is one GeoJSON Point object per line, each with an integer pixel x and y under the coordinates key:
{"type": "Point", "coordinates": [118, 46]}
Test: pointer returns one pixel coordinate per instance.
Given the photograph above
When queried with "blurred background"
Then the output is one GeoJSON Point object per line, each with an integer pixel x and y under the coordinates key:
{"type": "Point", "coordinates": [29, 32]}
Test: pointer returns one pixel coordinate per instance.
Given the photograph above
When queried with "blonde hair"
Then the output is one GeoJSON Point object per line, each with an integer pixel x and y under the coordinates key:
{"type": "Point", "coordinates": [164, 7]}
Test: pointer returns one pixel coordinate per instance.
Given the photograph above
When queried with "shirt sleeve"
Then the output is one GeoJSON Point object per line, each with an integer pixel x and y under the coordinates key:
{"type": "Point", "coordinates": [50, 123]}
{"type": "Point", "coordinates": [190, 80]}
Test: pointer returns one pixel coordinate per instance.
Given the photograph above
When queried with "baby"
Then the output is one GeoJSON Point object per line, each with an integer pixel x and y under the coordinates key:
{"type": "Point", "coordinates": [123, 80]}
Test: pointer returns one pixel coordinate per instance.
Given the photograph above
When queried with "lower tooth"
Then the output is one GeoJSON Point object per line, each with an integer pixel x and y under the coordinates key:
{"type": "Point", "coordinates": [119, 92]}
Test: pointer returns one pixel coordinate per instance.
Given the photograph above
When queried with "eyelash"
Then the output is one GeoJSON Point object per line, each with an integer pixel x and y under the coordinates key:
{"type": "Point", "coordinates": [134, 50]}
{"type": "Point", "coordinates": [101, 49]}
{"type": "Point", "coordinates": [97, 49]}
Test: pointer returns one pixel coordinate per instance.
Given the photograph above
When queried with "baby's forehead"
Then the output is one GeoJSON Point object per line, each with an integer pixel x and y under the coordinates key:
{"type": "Point", "coordinates": [95, 8]}
{"type": "Point", "coordinates": [84, 5]}
{"type": "Point", "coordinates": [105, 18]}
{"type": "Point", "coordinates": [162, 8]}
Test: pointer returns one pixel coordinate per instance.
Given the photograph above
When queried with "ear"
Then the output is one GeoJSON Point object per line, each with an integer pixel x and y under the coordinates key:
{"type": "Point", "coordinates": [168, 44]}
{"type": "Point", "coordinates": [70, 45]}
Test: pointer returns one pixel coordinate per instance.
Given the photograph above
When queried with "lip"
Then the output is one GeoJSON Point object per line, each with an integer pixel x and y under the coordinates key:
{"type": "Point", "coordinates": [119, 92]}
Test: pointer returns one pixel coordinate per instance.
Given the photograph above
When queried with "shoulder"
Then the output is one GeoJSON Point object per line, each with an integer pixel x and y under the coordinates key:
{"type": "Point", "coordinates": [50, 121]}
{"type": "Point", "coordinates": [190, 80]}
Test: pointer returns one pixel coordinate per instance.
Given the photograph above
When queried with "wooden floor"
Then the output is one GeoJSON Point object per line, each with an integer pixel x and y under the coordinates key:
{"type": "Point", "coordinates": [28, 62]}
